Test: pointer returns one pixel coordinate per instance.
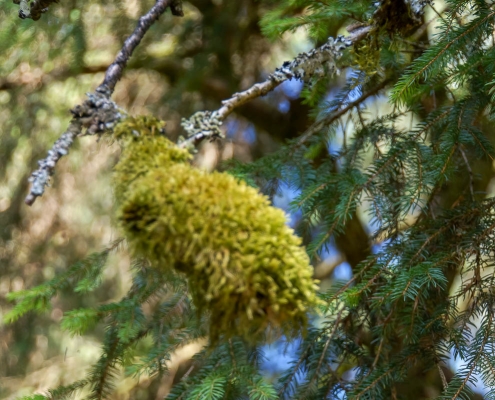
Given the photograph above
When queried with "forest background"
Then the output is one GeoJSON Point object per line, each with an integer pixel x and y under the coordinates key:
{"type": "Point", "coordinates": [193, 63]}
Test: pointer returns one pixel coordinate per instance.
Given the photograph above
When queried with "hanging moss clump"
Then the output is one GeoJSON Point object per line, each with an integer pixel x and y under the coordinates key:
{"type": "Point", "coordinates": [244, 265]}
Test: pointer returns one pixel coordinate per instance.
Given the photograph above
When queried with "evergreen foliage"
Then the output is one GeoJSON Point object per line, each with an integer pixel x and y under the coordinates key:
{"type": "Point", "coordinates": [422, 295]}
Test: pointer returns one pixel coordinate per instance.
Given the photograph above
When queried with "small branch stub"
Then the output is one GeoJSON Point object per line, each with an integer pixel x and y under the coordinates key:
{"type": "Point", "coordinates": [399, 16]}
{"type": "Point", "coordinates": [176, 8]}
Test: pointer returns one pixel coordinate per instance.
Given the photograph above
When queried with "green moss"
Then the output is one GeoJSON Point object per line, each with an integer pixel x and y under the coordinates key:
{"type": "Point", "coordinates": [366, 54]}
{"type": "Point", "coordinates": [244, 265]}
{"type": "Point", "coordinates": [144, 148]}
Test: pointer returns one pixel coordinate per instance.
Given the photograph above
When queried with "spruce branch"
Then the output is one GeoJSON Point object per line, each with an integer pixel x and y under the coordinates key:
{"type": "Point", "coordinates": [485, 332]}
{"type": "Point", "coordinates": [438, 56]}
{"type": "Point", "coordinates": [98, 113]}
{"type": "Point", "coordinates": [374, 383]}
{"type": "Point", "coordinates": [324, 354]}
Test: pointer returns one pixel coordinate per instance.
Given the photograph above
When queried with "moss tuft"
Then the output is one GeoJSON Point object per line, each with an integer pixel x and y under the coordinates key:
{"type": "Point", "coordinates": [244, 265]}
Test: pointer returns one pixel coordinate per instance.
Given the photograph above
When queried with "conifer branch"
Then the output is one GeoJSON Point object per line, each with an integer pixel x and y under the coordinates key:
{"type": "Point", "coordinates": [104, 370]}
{"type": "Point", "coordinates": [475, 361]}
{"type": "Point", "coordinates": [325, 348]}
{"type": "Point", "coordinates": [355, 278]}
{"type": "Point", "coordinates": [372, 384]}
{"type": "Point", "coordinates": [396, 312]}
{"type": "Point", "coordinates": [425, 64]}
{"type": "Point", "coordinates": [98, 113]}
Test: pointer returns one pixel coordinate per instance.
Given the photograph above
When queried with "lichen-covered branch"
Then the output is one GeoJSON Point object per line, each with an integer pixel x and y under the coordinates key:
{"type": "Point", "coordinates": [98, 113]}
{"type": "Point", "coordinates": [317, 62]}
{"type": "Point", "coordinates": [39, 178]}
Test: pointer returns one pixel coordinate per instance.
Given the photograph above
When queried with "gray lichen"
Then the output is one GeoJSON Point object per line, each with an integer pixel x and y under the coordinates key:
{"type": "Point", "coordinates": [202, 122]}
{"type": "Point", "coordinates": [98, 113]}
{"type": "Point", "coordinates": [317, 62]}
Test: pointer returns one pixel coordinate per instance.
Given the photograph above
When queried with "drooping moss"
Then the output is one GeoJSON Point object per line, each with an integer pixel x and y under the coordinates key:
{"type": "Point", "coordinates": [244, 265]}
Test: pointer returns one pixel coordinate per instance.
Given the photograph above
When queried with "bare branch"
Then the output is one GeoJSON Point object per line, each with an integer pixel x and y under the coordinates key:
{"type": "Point", "coordinates": [98, 113]}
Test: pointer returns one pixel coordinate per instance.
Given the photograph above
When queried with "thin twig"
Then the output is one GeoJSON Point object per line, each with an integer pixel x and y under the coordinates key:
{"type": "Point", "coordinates": [442, 376]}
{"type": "Point", "coordinates": [115, 70]}
{"type": "Point", "coordinates": [318, 126]}
{"type": "Point", "coordinates": [470, 171]}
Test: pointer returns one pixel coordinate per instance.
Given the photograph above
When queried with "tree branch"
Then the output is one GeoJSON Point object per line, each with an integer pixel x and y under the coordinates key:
{"type": "Point", "coordinates": [98, 113]}
{"type": "Point", "coordinates": [206, 124]}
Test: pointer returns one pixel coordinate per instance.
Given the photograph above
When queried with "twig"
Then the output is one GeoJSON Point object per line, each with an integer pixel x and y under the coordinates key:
{"type": "Point", "coordinates": [206, 124]}
{"type": "Point", "coordinates": [98, 113]}
{"type": "Point", "coordinates": [318, 126]}
{"type": "Point", "coordinates": [39, 178]}
{"type": "Point", "coordinates": [470, 171]}
{"type": "Point", "coordinates": [115, 70]}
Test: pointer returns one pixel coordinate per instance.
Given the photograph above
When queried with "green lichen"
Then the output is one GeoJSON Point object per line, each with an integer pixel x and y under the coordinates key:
{"type": "Point", "coordinates": [244, 265]}
{"type": "Point", "coordinates": [366, 54]}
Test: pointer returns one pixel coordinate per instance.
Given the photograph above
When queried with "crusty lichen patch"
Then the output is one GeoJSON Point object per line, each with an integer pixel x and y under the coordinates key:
{"type": "Point", "coordinates": [244, 265]}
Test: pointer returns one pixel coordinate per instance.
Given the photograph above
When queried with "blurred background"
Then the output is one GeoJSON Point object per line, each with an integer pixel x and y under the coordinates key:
{"type": "Point", "coordinates": [183, 65]}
